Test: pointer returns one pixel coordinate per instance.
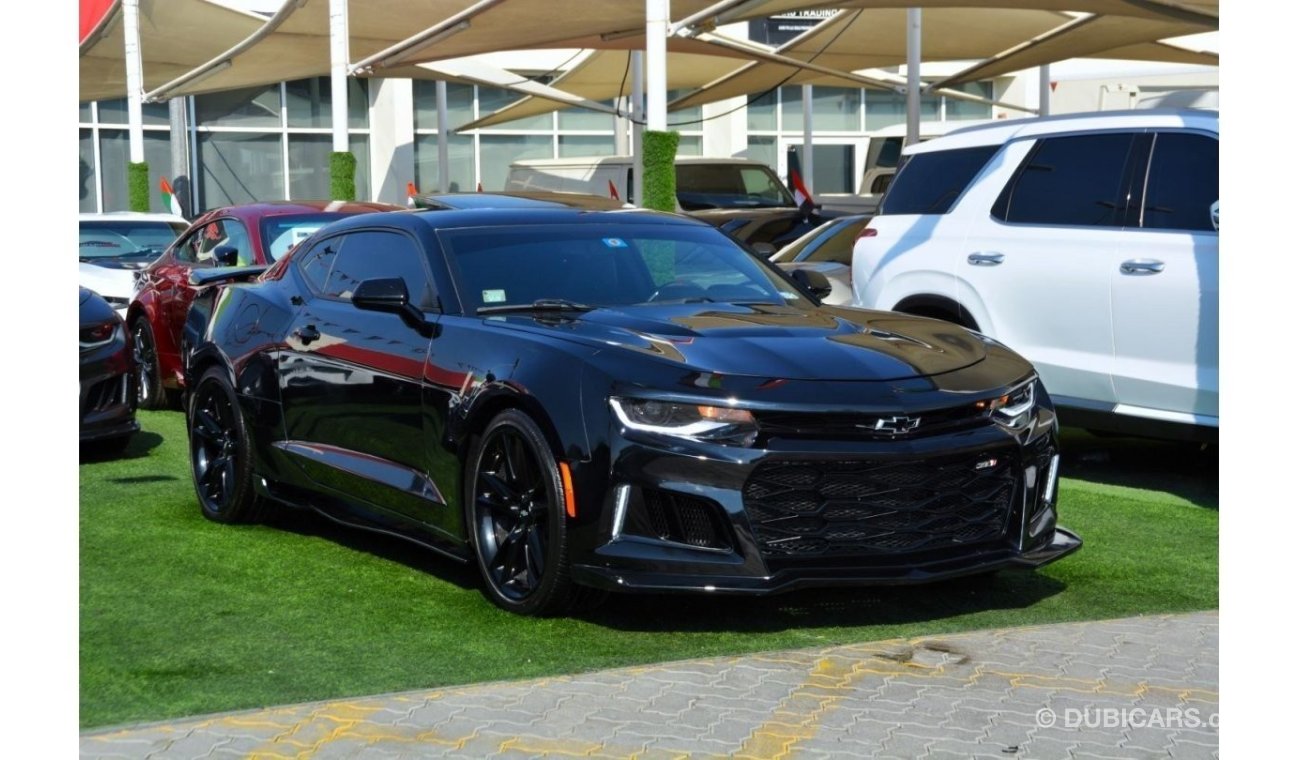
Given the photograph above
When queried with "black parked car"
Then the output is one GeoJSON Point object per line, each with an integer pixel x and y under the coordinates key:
{"type": "Point", "coordinates": [579, 401]}
{"type": "Point", "coordinates": [107, 375]}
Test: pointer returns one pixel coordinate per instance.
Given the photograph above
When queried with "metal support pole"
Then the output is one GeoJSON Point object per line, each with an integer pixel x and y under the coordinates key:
{"type": "Point", "coordinates": [913, 76]}
{"type": "Point", "coordinates": [638, 121]}
{"type": "Point", "coordinates": [339, 74]}
{"type": "Point", "coordinates": [1044, 90]}
{"type": "Point", "coordinates": [444, 129]}
{"type": "Point", "coordinates": [807, 138]}
{"type": "Point", "coordinates": [622, 123]}
{"type": "Point", "coordinates": [180, 166]}
{"type": "Point", "coordinates": [656, 64]}
{"type": "Point", "coordinates": [134, 79]}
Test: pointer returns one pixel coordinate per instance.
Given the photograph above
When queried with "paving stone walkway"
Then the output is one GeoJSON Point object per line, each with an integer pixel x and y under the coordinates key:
{"type": "Point", "coordinates": [1142, 687]}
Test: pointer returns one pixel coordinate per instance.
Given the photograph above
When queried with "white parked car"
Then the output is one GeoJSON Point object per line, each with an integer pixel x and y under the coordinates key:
{"type": "Point", "coordinates": [829, 250]}
{"type": "Point", "coordinates": [114, 246]}
{"type": "Point", "coordinates": [1087, 243]}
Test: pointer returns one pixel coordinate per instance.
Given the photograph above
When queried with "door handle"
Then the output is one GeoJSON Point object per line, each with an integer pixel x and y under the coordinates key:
{"type": "Point", "coordinates": [306, 334]}
{"type": "Point", "coordinates": [985, 259]}
{"type": "Point", "coordinates": [1142, 266]}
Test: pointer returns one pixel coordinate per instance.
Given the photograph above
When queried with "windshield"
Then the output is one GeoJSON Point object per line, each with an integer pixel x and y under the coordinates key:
{"type": "Point", "coordinates": [124, 239]}
{"type": "Point", "coordinates": [283, 232]}
{"type": "Point", "coordinates": [604, 265]}
{"type": "Point", "coordinates": [701, 186]}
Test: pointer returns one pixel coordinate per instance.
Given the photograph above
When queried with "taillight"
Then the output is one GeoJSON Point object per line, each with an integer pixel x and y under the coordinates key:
{"type": "Point", "coordinates": [865, 233]}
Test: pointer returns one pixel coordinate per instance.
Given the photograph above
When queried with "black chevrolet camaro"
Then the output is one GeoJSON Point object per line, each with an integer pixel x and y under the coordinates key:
{"type": "Point", "coordinates": [580, 401]}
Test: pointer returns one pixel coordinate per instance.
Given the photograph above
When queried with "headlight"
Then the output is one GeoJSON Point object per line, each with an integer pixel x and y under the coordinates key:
{"type": "Point", "coordinates": [699, 422]}
{"type": "Point", "coordinates": [94, 336]}
{"type": "Point", "coordinates": [1014, 409]}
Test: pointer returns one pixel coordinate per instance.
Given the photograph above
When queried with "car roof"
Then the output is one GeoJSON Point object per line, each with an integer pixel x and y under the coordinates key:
{"type": "Point", "coordinates": [514, 217]}
{"type": "Point", "coordinates": [132, 216]}
{"type": "Point", "coordinates": [1001, 132]}
{"type": "Point", "coordinates": [518, 199]}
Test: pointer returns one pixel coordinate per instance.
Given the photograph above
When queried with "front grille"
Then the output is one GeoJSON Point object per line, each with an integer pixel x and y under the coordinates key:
{"type": "Point", "coordinates": [823, 425]}
{"type": "Point", "coordinates": [879, 509]}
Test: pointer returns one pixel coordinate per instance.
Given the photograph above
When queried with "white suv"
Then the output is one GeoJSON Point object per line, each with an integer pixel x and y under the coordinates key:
{"type": "Point", "coordinates": [1087, 243]}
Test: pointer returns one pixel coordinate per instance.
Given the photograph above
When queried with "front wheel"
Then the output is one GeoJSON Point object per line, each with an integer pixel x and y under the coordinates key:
{"type": "Point", "coordinates": [516, 518]}
{"type": "Point", "coordinates": [221, 453]}
{"type": "Point", "coordinates": [150, 393]}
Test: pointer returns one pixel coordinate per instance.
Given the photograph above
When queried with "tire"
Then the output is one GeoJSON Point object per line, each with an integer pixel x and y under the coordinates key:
{"type": "Point", "coordinates": [150, 393]}
{"type": "Point", "coordinates": [515, 518]}
{"type": "Point", "coordinates": [220, 453]}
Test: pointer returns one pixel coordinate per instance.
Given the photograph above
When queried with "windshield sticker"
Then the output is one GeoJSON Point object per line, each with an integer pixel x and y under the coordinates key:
{"type": "Point", "coordinates": [494, 296]}
{"type": "Point", "coordinates": [615, 242]}
{"type": "Point", "coordinates": [302, 233]}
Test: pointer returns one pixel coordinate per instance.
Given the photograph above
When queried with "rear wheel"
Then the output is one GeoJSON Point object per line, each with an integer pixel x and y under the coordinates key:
{"type": "Point", "coordinates": [220, 453]}
{"type": "Point", "coordinates": [516, 518]}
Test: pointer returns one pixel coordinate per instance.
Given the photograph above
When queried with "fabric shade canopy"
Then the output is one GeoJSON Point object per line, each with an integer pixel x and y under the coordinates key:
{"type": "Point", "coordinates": [1203, 12]}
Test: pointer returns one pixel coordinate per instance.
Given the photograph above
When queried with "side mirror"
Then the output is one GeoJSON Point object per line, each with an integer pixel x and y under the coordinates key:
{"type": "Point", "coordinates": [812, 281]}
{"type": "Point", "coordinates": [226, 255]}
{"type": "Point", "coordinates": [1214, 215]}
{"type": "Point", "coordinates": [388, 294]}
{"type": "Point", "coordinates": [764, 249]}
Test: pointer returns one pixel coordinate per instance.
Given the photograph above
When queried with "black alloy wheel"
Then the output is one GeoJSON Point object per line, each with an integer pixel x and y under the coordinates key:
{"type": "Point", "coordinates": [150, 393]}
{"type": "Point", "coordinates": [517, 518]}
{"type": "Point", "coordinates": [219, 453]}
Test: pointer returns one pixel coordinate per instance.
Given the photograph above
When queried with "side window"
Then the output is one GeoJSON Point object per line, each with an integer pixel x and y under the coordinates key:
{"type": "Point", "coordinates": [929, 183]}
{"type": "Point", "coordinates": [371, 254]}
{"type": "Point", "coordinates": [1182, 182]}
{"type": "Point", "coordinates": [315, 264]}
{"type": "Point", "coordinates": [187, 249]}
{"type": "Point", "coordinates": [1074, 180]}
{"type": "Point", "coordinates": [222, 232]}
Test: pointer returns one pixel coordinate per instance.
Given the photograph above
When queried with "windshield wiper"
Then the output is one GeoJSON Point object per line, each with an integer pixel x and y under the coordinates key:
{"type": "Point", "coordinates": [541, 304]}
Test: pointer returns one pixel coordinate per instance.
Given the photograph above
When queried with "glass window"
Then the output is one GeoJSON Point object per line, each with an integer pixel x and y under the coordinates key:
{"type": "Point", "coordinates": [360, 147]}
{"type": "Point", "coordinates": [605, 265]}
{"type": "Point", "coordinates": [224, 232]}
{"type": "Point", "coordinates": [281, 232]}
{"type": "Point", "coordinates": [460, 153]}
{"type": "Point", "coordinates": [1065, 180]}
{"type": "Point", "coordinates": [724, 185]}
{"type": "Point", "coordinates": [581, 118]}
{"type": "Point", "coordinates": [929, 183]}
{"type": "Point", "coordinates": [832, 168]}
{"type": "Point", "coordinates": [315, 264]}
{"type": "Point", "coordinates": [84, 115]}
{"type": "Point", "coordinates": [586, 145]}
{"type": "Point", "coordinates": [308, 102]}
{"type": "Point", "coordinates": [687, 118]}
{"type": "Point", "coordinates": [492, 99]}
{"type": "Point", "coordinates": [115, 154]}
{"type": "Point", "coordinates": [836, 108]}
{"type": "Point", "coordinates": [1182, 182]}
{"type": "Point", "coordinates": [957, 110]}
{"type": "Point", "coordinates": [760, 115]}
{"type": "Point", "coordinates": [497, 152]}
{"type": "Point", "coordinates": [240, 168]}
{"type": "Point", "coordinates": [249, 107]}
{"type": "Point", "coordinates": [460, 104]}
{"type": "Point", "coordinates": [187, 251]}
{"type": "Point", "coordinates": [309, 165]}
{"type": "Point", "coordinates": [792, 108]}
{"type": "Point", "coordinates": [762, 149]}
{"type": "Point", "coordinates": [690, 145]}
{"type": "Point", "coordinates": [86, 177]}
{"type": "Point", "coordinates": [373, 254]}
{"type": "Point", "coordinates": [885, 109]}
{"type": "Point", "coordinates": [115, 112]}
{"type": "Point", "coordinates": [838, 247]}
{"type": "Point", "coordinates": [104, 239]}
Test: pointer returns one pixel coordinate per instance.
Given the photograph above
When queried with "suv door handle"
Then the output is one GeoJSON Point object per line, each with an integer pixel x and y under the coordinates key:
{"type": "Point", "coordinates": [306, 334]}
{"type": "Point", "coordinates": [985, 259]}
{"type": "Point", "coordinates": [1142, 266]}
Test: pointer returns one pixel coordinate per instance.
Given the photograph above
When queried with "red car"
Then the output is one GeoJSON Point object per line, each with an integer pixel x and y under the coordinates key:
{"type": "Point", "coordinates": [252, 234]}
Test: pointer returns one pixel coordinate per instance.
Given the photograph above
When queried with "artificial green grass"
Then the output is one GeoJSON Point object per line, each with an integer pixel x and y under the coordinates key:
{"type": "Point", "coordinates": [181, 616]}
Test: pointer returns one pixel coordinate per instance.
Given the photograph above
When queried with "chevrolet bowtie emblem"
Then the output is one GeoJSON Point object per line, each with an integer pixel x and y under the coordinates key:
{"type": "Point", "coordinates": [896, 425]}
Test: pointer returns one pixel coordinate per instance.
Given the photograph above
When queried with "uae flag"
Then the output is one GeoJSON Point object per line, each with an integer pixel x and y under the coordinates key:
{"type": "Point", "coordinates": [794, 180]}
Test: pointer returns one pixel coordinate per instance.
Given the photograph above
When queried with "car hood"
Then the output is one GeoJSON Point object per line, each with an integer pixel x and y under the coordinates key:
{"type": "Point", "coordinates": [770, 340]}
{"type": "Point", "coordinates": [114, 283]}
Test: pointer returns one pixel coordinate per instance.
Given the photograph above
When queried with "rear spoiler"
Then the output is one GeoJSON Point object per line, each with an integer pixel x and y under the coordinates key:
{"type": "Point", "coordinates": [203, 277]}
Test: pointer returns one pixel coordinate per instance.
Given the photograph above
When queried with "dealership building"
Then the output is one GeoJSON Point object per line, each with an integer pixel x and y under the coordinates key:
{"type": "Point", "coordinates": [274, 142]}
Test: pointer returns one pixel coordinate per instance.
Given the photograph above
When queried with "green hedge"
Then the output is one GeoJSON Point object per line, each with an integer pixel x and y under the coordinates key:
{"type": "Point", "coordinates": [343, 177]}
{"type": "Point", "coordinates": [659, 178]}
{"type": "Point", "coordinates": [137, 182]}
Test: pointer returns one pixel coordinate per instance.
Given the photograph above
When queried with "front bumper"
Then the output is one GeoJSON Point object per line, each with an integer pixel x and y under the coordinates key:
{"type": "Point", "coordinates": [759, 553]}
{"type": "Point", "coordinates": [108, 393]}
